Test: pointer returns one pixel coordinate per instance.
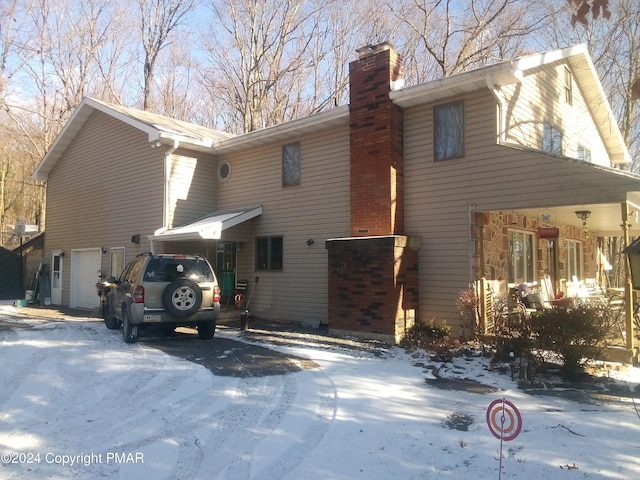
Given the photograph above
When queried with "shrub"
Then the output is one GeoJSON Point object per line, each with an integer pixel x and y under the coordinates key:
{"type": "Point", "coordinates": [576, 334]}
{"type": "Point", "coordinates": [512, 335]}
{"type": "Point", "coordinates": [468, 305]}
{"type": "Point", "coordinates": [428, 336]}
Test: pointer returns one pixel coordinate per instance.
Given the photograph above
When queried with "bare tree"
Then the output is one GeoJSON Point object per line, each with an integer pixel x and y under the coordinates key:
{"type": "Point", "coordinates": [347, 26]}
{"type": "Point", "coordinates": [158, 19]}
{"type": "Point", "coordinates": [259, 54]}
{"type": "Point", "coordinates": [178, 92]}
{"type": "Point", "coordinates": [54, 59]}
{"type": "Point", "coordinates": [458, 38]}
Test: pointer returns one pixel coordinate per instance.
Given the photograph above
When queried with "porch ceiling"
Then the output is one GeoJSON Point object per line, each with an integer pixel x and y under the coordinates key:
{"type": "Point", "coordinates": [605, 219]}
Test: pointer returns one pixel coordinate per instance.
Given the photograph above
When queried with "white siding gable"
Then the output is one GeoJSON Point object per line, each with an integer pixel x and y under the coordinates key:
{"type": "Point", "coordinates": [540, 98]}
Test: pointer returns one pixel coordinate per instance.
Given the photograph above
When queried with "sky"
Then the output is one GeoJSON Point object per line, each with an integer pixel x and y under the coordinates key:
{"type": "Point", "coordinates": [76, 402]}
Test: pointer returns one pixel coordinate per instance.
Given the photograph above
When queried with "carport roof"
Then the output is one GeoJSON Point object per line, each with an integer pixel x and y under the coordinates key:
{"type": "Point", "coordinates": [209, 227]}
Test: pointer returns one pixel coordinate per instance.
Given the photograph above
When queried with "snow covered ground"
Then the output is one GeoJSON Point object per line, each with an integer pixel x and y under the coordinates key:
{"type": "Point", "coordinates": [76, 402]}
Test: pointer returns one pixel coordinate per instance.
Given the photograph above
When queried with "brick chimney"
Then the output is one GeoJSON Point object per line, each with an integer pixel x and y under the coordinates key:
{"type": "Point", "coordinates": [373, 278]}
{"type": "Point", "coordinates": [377, 167]}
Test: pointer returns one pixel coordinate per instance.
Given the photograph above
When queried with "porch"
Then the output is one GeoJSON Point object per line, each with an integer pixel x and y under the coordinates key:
{"type": "Point", "coordinates": [563, 256]}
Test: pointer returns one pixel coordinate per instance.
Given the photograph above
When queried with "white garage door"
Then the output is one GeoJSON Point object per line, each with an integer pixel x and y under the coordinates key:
{"type": "Point", "coordinates": [84, 267]}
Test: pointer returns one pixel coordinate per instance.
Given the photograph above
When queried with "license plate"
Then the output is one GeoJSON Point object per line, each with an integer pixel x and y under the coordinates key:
{"type": "Point", "coordinates": [154, 317]}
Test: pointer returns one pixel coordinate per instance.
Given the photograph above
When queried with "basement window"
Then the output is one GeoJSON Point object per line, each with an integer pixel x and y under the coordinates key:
{"type": "Point", "coordinates": [269, 253]}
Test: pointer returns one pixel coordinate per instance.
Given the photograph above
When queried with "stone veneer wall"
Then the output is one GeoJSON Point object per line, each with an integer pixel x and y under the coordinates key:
{"type": "Point", "coordinates": [373, 286]}
{"type": "Point", "coordinates": [496, 241]}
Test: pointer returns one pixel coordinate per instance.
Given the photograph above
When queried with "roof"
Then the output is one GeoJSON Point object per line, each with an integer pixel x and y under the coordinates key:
{"type": "Point", "coordinates": [159, 128]}
{"type": "Point", "coordinates": [208, 227]}
{"type": "Point", "coordinates": [166, 130]}
{"type": "Point", "coordinates": [513, 71]}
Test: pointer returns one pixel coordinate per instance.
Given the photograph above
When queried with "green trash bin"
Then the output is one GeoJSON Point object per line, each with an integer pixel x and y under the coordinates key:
{"type": "Point", "coordinates": [227, 285]}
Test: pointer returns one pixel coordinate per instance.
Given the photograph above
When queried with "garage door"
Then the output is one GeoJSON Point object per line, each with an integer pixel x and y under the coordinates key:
{"type": "Point", "coordinates": [84, 267]}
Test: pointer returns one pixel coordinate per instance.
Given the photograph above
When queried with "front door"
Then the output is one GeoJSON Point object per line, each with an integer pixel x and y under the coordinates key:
{"type": "Point", "coordinates": [56, 278]}
{"type": "Point", "coordinates": [226, 270]}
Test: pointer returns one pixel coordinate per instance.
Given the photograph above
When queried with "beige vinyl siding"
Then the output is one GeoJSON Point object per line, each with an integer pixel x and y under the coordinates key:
{"type": "Point", "coordinates": [191, 187]}
{"type": "Point", "coordinates": [540, 98]}
{"type": "Point", "coordinates": [441, 197]}
{"type": "Point", "coordinates": [103, 191]}
{"type": "Point", "coordinates": [317, 209]}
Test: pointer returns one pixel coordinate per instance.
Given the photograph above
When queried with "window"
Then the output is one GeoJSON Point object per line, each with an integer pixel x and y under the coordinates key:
{"type": "Point", "coordinates": [521, 256]}
{"type": "Point", "coordinates": [568, 87]}
{"type": "Point", "coordinates": [448, 131]}
{"type": "Point", "coordinates": [584, 153]}
{"type": "Point", "coordinates": [574, 259]}
{"type": "Point", "coordinates": [291, 165]}
{"type": "Point", "coordinates": [552, 139]}
{"type": "Point", "coordinates": [269, 253]}
{"type": "Point", "coordinates": [224, 170]}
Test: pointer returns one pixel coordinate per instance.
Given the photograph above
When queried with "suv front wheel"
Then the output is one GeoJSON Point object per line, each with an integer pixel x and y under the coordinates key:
{"type": "Point", "coordinates": [182, 298]}
{"type": "Point", "coordinates": [129, 330]}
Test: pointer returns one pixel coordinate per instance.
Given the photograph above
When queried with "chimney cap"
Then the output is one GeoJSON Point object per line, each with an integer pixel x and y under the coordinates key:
{"type": "Point", "coordinates": [371, 49]}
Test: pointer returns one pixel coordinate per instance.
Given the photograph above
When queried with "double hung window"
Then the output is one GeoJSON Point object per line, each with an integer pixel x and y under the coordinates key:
{"type": "Point", "coordinates": [448, 131]}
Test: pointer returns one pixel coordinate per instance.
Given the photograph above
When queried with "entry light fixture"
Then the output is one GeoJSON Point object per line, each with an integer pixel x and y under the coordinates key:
{"type": "Point", "coordinates": [583, 215]}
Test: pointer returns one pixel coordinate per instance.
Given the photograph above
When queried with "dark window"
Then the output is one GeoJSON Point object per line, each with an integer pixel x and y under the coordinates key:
{"type": "Point", "coordinates": [130, 273]}
{"type": "Point", "coordinates": [584, 153]}
{"type": "Point", "coordinates": [269, 253]}
{"type": "Point", "coordinates": [552, 139]}
{"type": "Point", "coordinates": [448, 131]}
{"type": "Point", "coordinates": [291, 165]}
{"type": "Point", "coordinates": [568, 86]}
{"type": "Point", "coordinates": [521, 256]}
{"type": "Point", "coordinates": [224, 170]}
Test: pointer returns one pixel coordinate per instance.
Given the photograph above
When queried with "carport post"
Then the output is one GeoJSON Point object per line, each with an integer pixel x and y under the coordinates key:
{"type": "Point", "coordinates": [628, 285]}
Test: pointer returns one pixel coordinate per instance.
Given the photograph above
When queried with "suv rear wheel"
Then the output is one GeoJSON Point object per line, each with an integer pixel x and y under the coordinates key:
{"type": "Point", "coordinates": [129, 330]}
{"type": "Point", "coordinates": [206, 330]}
{"type": "Point", "coordinates": [182, 298]}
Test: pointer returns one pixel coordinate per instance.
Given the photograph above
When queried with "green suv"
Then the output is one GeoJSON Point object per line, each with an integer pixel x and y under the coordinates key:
{"type": "Point", "coordinates": [166, 290]}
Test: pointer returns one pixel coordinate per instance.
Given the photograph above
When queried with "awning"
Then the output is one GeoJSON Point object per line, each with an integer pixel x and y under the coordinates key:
{"type": "Point", "coordinates": [209, 227]}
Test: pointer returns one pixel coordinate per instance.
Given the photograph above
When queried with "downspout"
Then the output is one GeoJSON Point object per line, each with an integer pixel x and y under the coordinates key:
{"type": "Point", "coordinates": [165, 208]}
{"type": "Point", "coordinates": [166, 189]}
{"type": "Point", "coordinates": [502, 119]}
{"type": "Point", "coordinates": [502, 104]}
